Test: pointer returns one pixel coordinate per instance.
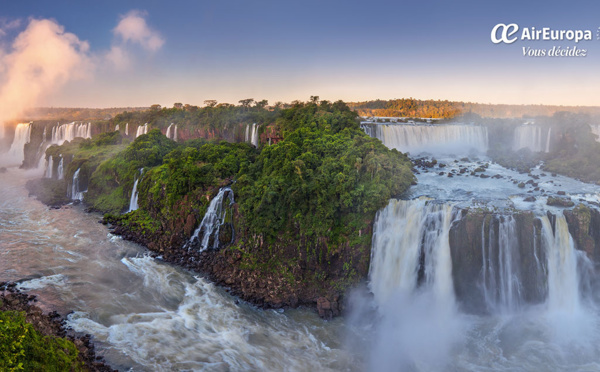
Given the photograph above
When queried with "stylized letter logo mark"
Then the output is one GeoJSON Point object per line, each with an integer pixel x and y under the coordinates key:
{"type": "Point", "coordinates": [507, 31]}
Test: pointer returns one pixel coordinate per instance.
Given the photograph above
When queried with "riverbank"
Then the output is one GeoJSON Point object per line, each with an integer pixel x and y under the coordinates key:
{"type": "Point", "coordinates": [51, 325]}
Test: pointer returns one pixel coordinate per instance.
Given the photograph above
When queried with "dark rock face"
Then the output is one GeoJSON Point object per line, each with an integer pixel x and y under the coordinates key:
{"type": "Point", "coordinates": [467, 239]}
{"type": "Point", "coordinates": [584, 226]}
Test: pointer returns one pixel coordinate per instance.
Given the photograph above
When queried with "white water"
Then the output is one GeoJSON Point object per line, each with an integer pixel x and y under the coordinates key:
{"type": "Point", "coordinates": [437, 139]}
{"type": "Point", "coordinates": [146, 315]}
{"type": "Point", "coordinates": [133, 200]}
{"type": "Point", "coordinates": [49, 167]}
{"type": "Point", "coordinates": [172, 132]}
{"type": "Point", "coordinates": [16, 153]}
{"type": "Point", "coordinates": [75, 192]}
{"type": "Point", "coordinates": [60, 170]}
{"type": "Point", "coordinates": [117, 128]}
{"type": "Point", "coordinates": [420, 325]}
{"type": "Point", "coordinates": [142, 129]}
{"type": "Point", "coordinates": [213, 220]}
{"type": "Point", "coordinates": [127, 129]}
{"type": "Point", "coordinates": [252, 134]}
{"type": "Point", "coordinates": [175, 133]}
{"type": "Point", "coordinates": [501, 274]}
{"type": "Point", "coordinates": [531, 137]}
{"type": "Point", "coordinates": [68, 132]}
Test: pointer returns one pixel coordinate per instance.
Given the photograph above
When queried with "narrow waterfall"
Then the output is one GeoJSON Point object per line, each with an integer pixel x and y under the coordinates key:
{"type": "Point", "coordinates": [531, 137]}
{"type": "Point", "coordinates": [548, 139]}
{"type": "Point", "coordinates": [133, 201]}
{"type": "Point", "coordinates": [175, 133]}
{"type": "Point", "coordinates": [49, 166]}
{"type": "Point", "coordinates": [68, 132]}
{"type": "Point", "coordinates": [252, 134]}
{"type": "Point", "coordinates": [172, 132]}
{"type": "Point", "coordinates": [168, 135]}
{"type": "Point", "coordinates": [75, 191]}
{"type": "Point", "coordinates": [213, 219]}
{"type": "Point", "coordinates": [411, 248]}
{"type": "Point", "coordinates": [142, 129]}
{"type": "Point", "coordinates": [501, 272]}
{"type": "Point", "coordinates": [127, 129]}
{"type": "Point", "coordinates": [117, 128]}
{"type": "Point", "coordinates": [450, 138]}
{"type": "Point", "coordinates": [563, 279]}
{"type": "Point", "coordinates": [60, 170]}
{"type": "Point", "coordinates": [16, 153]}
{"type": "Point", "coordinates": [41, 152]}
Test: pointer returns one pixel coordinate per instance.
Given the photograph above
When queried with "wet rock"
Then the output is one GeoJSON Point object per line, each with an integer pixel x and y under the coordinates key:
{"type": "Point", "coordinates": [561, 193]}
{"type": "Point", "coordinates": [484, 176]}
{"type": "Point", "coordinates": [521, 185]}
{"type": "Point", "coordinates": [560, 202]}
{"type": "Point", "coordinates": [530, 199]}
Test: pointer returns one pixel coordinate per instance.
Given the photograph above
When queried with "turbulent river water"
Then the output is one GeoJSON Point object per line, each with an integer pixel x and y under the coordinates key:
{"type": "Point", "coordinates": [146, 315]}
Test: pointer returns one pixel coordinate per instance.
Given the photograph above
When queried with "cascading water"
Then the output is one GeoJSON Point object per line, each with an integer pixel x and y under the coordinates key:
{"type": "Point", "coordinates": [142, 129]}
{"type": "Point", "coordinates": [60, 169]}
{"type": "Point", "coordinates": [531, 137]}
{"type": "Point", "coordinates": [411, 280]}
{"type": "Point", "coordinates": [443, 138]}
{"type": "Point", "coordinates": [133, 201]}
{"type": "Point", "coordinates": [127, 129]}
{"type": "Point", "coordinates": [501, 271]}
{"type": "Point", "coordinates": [563, 279]}
{"type": "Point", "coordinates": [75, 192]}
{"type": "Point", "coordinates": [175, 133]}
{"type": "Point", "coordinates": [49, 167]}
{"type": "Point", "coordinates": [117, 128]}
{"type": "Point", "coordinates": [252, 134]}
{"type": "Point", "coordinates": [172, 132]}
{"type": "Point", "coordinates": [213, 219]}
{"type": "Point", "coordinates": [68, 132]}
{"type": "Point", "coordinates": [16, 153]}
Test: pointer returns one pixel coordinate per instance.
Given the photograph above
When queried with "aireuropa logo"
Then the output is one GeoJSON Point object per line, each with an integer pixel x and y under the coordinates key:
{"type": "Point", "coordinates": [505, 33]}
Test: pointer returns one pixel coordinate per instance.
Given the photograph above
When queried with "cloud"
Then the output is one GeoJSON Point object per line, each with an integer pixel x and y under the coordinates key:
{"type": "Point", "coordinates": [40, 61]}
{"type": "Point", "coordinates": [133, 28]}
{"type": "Point", "coordinates": [7, 25]}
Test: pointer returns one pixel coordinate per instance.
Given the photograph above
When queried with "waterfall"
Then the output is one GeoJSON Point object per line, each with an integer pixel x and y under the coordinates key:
{"type": "Point", "coordinates": [252, 134]}
{"type": "Point", "coordinates": [170, 131]}
{"type": "Point", "coordinates": [75, 191]}
{"type": "Point", "coordinates": [213, 220]}
{"type": "Point", "coordinates": [500, 268]}
{"type": "Point", "coordinates": [175, 134]}
{"type": "Point", "coordinates": [411, 247]}
{"type": "Point", "coordinates": [127, 129]}
{"type": "Point", "coordinates": [68, 132]}
{"type": "Point", "coordinates": [447, 138]}
{"type": "Point", "coordinates": [49, 166]}
{"type": "Point", "coordinates": [548, 139]}
{"type": "Point", "coordinates": [42, 149]}
{"type": "Point", "coordinates": [563, 279]}
{"type": "Point", "coordinates": [142, 129]}
{"type": "Point", "coordinates": [117, 128]}
{"type": "Point", "coordinates": [531, 137]}
{"type": "Point", "coordinates": [60, 170]}
{"type": "Point", "coordinates": [133, 201]}
{"type": "Point", "coordinates": [16, 152]}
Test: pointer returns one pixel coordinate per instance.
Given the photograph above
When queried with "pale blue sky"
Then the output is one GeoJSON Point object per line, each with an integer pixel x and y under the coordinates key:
{"type": "Point", "coordinates": [351, 50]}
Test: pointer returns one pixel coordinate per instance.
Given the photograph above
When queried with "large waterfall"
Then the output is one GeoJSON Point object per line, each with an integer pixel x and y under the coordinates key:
{"type": "Point", "coordinates": [443, 138]}
{"type": "Point", "coordinates": [67, 132]}
{"type": "Point", "coordinates": [16, 153]}
{"type": "Point", "coordinates": [501, 271]}
{"type": "Point", "coordinates": [213, 219]}
{"type": "Point", "coordinates": [533, 137]}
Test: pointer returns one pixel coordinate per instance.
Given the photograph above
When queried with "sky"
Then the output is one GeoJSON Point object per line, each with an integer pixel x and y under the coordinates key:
{"type": "Point", "coordinates": [137, 53]}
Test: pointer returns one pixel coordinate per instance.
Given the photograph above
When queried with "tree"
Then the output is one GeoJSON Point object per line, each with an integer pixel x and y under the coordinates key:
{"type": "Point", "coordinates": [178, 105]}
{"type": "Point", "coordinates": [210, 102]}
{"type": "Point", "coordinates": [261, 104]}
{"type": "Point", "coordinates": [246, 102]}
{"type": "Point", "coordinates": [155, 107]}
{"type": "Point", "coordinates": [314, 99]}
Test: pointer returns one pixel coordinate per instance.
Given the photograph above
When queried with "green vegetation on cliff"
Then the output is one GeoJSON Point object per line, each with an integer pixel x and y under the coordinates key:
{"type": "Point", "coordinates": [22, 348]}
{"type": "Point", "coordinates": [305, 204]}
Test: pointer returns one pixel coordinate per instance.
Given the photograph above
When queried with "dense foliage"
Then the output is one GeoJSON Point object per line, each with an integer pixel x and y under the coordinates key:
{"type": "Point", "coordinates": [22, 348]}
